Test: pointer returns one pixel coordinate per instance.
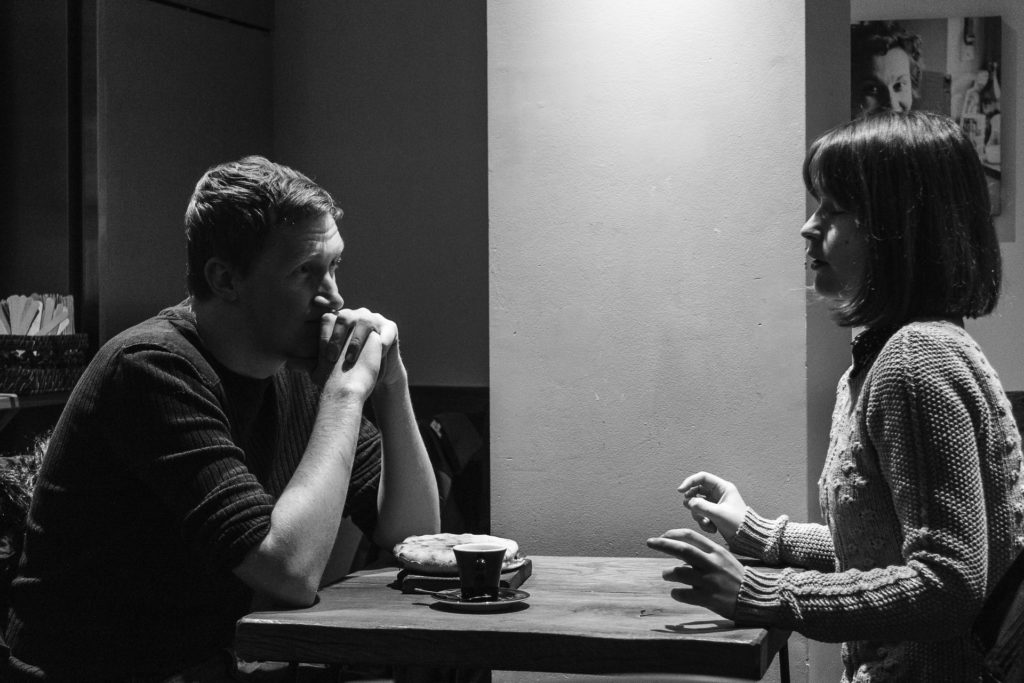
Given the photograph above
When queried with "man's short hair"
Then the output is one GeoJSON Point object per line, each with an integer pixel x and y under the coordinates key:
{"type": "Point", "coordinates": [918, 190]}
{"type": "Point", "coordinates": [237, 205]}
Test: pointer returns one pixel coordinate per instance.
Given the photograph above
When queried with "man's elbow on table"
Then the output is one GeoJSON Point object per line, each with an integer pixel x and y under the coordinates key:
{"type": "Point", "coordinates": [279, 577]}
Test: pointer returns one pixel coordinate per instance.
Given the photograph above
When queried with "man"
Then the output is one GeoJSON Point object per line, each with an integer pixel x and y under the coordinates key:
{"type": "Point", "coordinates": [885, 67]}
{"type": "Point", "coordinates": [208, 455]}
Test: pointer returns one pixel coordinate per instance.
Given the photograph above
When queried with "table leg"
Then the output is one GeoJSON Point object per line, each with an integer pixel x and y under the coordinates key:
{"type": "Point", "coordinates": [784, 664]}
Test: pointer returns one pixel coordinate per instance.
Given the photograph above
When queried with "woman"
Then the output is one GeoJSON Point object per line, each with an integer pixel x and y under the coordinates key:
{"type": "Point", "coordinates": [920, 491]}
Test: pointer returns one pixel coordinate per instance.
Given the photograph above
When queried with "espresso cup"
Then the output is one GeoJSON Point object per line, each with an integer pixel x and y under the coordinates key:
{"type": "Point", "coordinates": [479, 569]}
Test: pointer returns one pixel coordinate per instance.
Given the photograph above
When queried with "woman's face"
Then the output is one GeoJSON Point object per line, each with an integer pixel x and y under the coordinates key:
{"type": "Point", "coordinates": [836, 250]}
{"type": "Point", "coordinates": [886, 84]}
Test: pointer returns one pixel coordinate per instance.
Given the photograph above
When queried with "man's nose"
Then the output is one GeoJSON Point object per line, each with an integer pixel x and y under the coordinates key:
{"type": "Point", "coordinates": [329, 292]}
{"type": "Point", "coordinates": [895, 102]}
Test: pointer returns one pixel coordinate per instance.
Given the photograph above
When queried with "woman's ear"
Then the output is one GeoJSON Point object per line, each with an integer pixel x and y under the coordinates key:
{"type": "Point", "coordinates": [222, 278]}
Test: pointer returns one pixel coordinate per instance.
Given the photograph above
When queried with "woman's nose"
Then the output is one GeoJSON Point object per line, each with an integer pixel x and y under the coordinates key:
{"type": "Point", "coordinates": [810, 230]}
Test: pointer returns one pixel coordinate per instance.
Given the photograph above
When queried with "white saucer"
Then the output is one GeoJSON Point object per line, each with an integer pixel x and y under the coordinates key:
{"type": "Point", "coordinates": [506, 598]}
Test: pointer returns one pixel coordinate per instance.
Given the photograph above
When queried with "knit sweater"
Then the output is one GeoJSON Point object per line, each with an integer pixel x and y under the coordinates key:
{"type": "Point", "coordinates": [160, 478]}
{"type": "Point", "coordinates": [921, 494]}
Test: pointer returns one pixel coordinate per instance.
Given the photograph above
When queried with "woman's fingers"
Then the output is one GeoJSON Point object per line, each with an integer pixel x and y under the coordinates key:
{"type": "Point", "coordinates": [704, 485]}
{"type": "Point", "coordinates": [692, 596]}
{"type": "Point", "coordinates": [706, 514]}
{"type": "Point", "coordinates": [686, 545]}
{"type": "Point", "coordinates": [704, 523]}
{"type": "Point", "coordinates": [715, 504]}
{"type": "Point", "coordinates": [711, 572]}
{"type": "Point", "coordinates": [684, 574]}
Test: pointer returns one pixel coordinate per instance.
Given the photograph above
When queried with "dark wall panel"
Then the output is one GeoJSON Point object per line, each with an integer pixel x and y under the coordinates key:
{"type": "Point", "coordinates": [385, 103]}
{"type": "Point", "coordinates": [177, 91]}
{"type": "Point", "coordinates": [33, 147]}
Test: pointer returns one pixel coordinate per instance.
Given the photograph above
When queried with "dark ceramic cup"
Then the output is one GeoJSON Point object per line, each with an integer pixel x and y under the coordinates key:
{"type": "Point", "coordinates": [479, 569]}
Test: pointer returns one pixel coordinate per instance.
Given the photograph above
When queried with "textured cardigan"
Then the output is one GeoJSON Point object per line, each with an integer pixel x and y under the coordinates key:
{"type": "Point", "coordinates": [922, 498]}
{"type": "Point", "coordinates": [160, 477]}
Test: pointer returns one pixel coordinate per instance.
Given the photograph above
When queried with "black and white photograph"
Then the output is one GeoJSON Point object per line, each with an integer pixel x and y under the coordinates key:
{"type": "Point", "coordinates": [952, 66]}
{"type": "Point", "coordinates": [511, 341]}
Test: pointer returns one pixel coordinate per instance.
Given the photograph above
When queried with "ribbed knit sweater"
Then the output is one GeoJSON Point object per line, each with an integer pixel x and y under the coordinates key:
{"type": "Point", "coordinates": [160, 477]}
{"type": "Point", "coordinates": [921, 493]}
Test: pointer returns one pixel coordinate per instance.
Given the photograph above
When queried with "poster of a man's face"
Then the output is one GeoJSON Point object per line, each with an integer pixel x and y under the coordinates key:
{"type": "Point", "coordinates": [951, 66]}
{"type": "Point", "coordinates": [884, 67]}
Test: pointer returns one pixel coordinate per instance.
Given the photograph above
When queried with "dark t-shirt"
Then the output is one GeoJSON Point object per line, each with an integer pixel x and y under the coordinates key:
{"type": "Point", "coordinates": [159, 479]}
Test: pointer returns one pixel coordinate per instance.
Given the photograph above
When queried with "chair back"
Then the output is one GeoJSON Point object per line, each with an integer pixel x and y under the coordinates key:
{"type": "Point", "coordinates": [999, 628]}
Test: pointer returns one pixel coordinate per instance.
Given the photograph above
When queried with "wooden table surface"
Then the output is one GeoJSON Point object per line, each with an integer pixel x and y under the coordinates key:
{"type": "Point", "coordinates": [584, 615]}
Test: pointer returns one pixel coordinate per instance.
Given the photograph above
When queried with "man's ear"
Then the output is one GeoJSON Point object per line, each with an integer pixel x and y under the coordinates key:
{"type": "Point", "coordinates": [6, 546]}
{"type": "Point", "coordinates": [222, 278]}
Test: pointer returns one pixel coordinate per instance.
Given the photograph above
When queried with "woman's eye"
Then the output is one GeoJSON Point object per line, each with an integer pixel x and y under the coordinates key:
{"type": "Point", "coordinates": [830, 210]}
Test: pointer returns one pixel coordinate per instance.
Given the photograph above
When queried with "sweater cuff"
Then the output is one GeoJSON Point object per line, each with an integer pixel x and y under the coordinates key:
{"type": "Point", "coordinates": [758, 601]}
{"type": "Point", "coordinates": [759, 536]}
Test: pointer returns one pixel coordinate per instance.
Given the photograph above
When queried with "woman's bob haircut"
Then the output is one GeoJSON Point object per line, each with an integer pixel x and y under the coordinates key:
{"type": "Point", "coordinates": [918, 190]}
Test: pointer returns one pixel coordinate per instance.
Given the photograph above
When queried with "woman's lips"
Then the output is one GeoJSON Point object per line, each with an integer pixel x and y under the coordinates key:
{"type": "Point", "coordinates": [815, 264]}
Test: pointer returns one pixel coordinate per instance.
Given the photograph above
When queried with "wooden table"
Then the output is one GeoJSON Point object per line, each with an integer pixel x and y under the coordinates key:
{"type": "Point", "coordinates": [584, 615]}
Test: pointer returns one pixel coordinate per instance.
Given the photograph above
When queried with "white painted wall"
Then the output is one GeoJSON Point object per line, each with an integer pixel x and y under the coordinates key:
{"type": "Point", "coordinates": [646, 278]}
{"type": "Point", "coordinates": [647, 311]}
{"type": "Point", "coordinates": [1001, 335]}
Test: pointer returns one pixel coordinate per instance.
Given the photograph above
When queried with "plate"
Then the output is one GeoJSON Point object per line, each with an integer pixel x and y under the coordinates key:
{"type": "Point", "coordinates": [453, 572]}
{"type": "Point", "coordinates": [506, 598]}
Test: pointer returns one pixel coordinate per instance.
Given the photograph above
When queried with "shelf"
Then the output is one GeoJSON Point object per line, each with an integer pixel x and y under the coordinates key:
{"type": "Point", "coordinates": [10, 404]}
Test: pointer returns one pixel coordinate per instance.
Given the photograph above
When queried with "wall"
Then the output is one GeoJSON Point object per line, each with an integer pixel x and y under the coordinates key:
{"type": "Point", "coordinates": [1000, 333]}
{"type": "Point", "coordinates": [646, 272]}
{"type": "Point", "coordinates": [34, 147]}
{"type": "Point", "coordinates": [176, 92]}
{"type": "Point", "coordinates": [385, 105]}
{"type": "Point", "coordinates": [647, 305]}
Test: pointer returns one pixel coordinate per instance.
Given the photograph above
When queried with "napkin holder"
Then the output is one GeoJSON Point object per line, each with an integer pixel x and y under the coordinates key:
{"type": "Point", "coordinates": [36, 364]}
{"type": "Point", "coordinates": [412, 582]}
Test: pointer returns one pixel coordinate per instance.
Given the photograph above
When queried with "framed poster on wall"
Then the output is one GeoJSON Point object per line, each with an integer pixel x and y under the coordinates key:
{"type": "Point", "coordinates": [951, 65]}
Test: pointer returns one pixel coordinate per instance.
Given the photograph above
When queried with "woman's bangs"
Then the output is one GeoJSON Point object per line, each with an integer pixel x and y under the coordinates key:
{"type": "Point", "coordinates": [828, 173]}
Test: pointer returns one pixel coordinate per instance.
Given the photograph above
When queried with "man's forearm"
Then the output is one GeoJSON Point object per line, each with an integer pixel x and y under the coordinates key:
{"type": "Point", "coordinates": [408, 497]}
{"type": "Point", "coordinates": [290, 561]}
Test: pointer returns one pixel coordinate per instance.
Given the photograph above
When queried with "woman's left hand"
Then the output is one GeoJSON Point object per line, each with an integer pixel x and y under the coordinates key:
{"type": "Point", "coordinates": [712, 572]}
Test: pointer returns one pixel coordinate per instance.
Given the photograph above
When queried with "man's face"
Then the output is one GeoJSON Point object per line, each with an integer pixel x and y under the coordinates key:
{"type": "Point", "coordinates": [297, 265]}
{"type": "Point", "coordinates": [886, 85]}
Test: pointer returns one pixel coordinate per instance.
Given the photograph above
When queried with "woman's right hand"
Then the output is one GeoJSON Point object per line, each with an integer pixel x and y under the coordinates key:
{"type": "Point", "coordinates": [715, 503]}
